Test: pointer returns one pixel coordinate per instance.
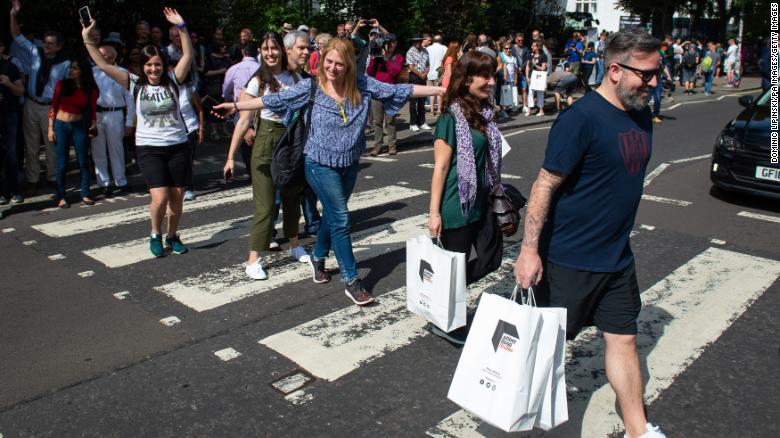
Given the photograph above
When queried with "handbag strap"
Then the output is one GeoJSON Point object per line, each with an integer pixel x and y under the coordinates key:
{"type": "Point", "coordinates": [310, 104]}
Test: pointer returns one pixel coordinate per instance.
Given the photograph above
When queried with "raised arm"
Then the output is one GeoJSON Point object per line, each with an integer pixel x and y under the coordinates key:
{"type": "Point", "coordinates": [15, 6]}
{"type": "Point", "coordinates": [185, 63]}
{"type": "Point", "coordinates": [121, 77]}
{"type": "Point", "coordinates": [528, 268]}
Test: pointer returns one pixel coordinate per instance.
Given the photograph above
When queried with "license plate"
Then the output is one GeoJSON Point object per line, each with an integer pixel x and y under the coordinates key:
{"type": "Point", "coordinates": [768, 173]}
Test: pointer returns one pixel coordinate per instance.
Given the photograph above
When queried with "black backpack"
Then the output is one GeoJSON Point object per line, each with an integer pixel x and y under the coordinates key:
{"type": "Point", "coordinates": [287, 158]}
{"type": "Point", "coordinates": [689, 58]}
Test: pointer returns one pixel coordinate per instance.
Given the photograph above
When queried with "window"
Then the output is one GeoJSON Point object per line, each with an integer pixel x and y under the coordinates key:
{"type": "Point", "coordinates": [587, 6]}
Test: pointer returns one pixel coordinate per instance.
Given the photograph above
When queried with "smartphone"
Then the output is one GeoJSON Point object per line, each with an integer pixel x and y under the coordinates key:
{"type": "Point", "coordinates": [85, 16]}
{"type": "Point", "coordinates": [209, 103]}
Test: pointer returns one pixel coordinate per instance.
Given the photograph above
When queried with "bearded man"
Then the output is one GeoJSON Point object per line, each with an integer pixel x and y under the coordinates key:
{"type": "Point", "coordinates": [583, 204]}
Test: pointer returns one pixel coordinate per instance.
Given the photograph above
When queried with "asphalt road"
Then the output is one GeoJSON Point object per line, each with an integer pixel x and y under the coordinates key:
{"type": "Point", "coordinates": [83, 351]}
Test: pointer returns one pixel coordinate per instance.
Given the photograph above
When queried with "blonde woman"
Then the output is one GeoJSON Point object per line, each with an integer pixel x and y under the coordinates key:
{"type": "Point", "coordinates": [334, 145]}
{"type": "Point", "coordinates": [314, 60]}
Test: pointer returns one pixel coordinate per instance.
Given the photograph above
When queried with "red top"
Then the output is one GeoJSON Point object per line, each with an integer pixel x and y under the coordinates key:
{"type": "Point", "coordinates": [75, 103]}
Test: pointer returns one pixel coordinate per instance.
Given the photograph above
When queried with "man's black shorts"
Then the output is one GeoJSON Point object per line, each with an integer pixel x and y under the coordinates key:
{"type": "Point", "coordinates": [608, 300]}
{"type": "Point", "coordinates": [165, 166]}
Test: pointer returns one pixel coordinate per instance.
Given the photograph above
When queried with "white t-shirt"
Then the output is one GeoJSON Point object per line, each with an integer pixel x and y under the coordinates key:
{"type": "Point", "coordinates": [187, 110]}
{"type": "Point", "coordinates": [731, 53]}
{"type": "Point", "coordinates": [436, 54]}
{"type": "Point", "coordinates": [159, 119]}
{"type": "Point", "coordinates": [286, 80]}
{"type": "Point", "coordinates": [511, 68]}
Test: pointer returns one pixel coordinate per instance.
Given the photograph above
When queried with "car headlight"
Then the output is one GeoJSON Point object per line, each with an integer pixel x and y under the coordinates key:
{"type": "Point", "coordinates": [728, 143]}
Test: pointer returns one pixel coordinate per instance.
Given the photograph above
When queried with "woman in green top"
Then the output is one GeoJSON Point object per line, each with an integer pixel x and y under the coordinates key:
{"type": "Point", "coordinates": [467, 155]}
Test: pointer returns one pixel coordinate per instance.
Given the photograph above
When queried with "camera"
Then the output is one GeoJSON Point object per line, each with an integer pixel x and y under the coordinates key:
{"type": "Point", "coordinates": [377, 46]}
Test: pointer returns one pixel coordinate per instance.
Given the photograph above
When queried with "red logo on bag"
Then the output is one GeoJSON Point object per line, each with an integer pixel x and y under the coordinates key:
{"type": "Point", "coordinates": [426, 272]}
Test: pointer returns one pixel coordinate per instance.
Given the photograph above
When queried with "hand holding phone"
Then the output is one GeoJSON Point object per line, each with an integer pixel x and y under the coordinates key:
{"type": "Point", "coordinates": [85, 16]}
{"type": "Point", "coordinates": [223, 110]}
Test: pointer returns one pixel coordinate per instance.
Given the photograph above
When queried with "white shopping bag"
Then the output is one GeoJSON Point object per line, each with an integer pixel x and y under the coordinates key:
{"type": "Point", "coordinates": [538, 81]}
{"type": "Point", "coordinates": [494, 379]}
{"type": "Point", "coordinates": [436, 283]}
{"type": "Point", "coordinates": [554, 410]}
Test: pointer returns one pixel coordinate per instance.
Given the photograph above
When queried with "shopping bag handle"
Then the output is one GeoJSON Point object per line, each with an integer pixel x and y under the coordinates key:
{"type": "Point", "coordinates": [528, 299]}
{"type": "Point", "coordinates": [438, 242]}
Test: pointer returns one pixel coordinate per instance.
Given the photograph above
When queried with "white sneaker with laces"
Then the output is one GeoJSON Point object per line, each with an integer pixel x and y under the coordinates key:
{"type": "Point", "coordinates": [652, 432]}
{"type": "Point", "coordinates": [273, 245]}
{"type": "Point", "coordinates": [255, 271]}
{"type": "Point", "coordinates": [414, 128]}
{"type": "Point", "coordinates": [298, 253]}
{"type": "Point", "coordinates": [425, 127]}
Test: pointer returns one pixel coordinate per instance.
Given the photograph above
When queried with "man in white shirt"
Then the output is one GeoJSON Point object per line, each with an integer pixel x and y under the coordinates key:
{"type": "Point", "coordinates": [436, 52]}
{"type": "Point", "coordinates": [731, 61]}
{"type": "Point", "coordinates": [112, 125]}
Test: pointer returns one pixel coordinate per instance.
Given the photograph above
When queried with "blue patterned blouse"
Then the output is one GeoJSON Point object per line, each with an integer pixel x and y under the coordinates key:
{"type": "Point", "coordinates": [334, 141]}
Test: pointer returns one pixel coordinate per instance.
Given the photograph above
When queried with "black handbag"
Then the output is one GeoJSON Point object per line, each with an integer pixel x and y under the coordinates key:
{"type": "Point", "coordinates": [287, 159]}
{"type": "Point", "coordinates": [505, 203]}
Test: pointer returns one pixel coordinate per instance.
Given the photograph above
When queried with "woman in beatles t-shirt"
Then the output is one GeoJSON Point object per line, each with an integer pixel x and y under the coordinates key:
{"type": "Point", "coordinates": [161, 135]}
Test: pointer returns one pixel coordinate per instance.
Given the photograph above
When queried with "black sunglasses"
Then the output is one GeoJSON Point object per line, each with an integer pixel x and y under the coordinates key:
{"type": "Point", "coordinates": [645, 75]}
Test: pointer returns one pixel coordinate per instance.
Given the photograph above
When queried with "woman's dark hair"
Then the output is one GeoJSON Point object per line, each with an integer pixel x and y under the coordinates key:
{"type": "Point", "coordinates": [264, 74]}
{"type": "Point", "coordinates": [591, 45]}
{"type": "Point", "coordinates": [147, 53]}
{"type": "Point", "coordinates": [469, 65]}
{"type": "Point", "coordinates": [86, 80]}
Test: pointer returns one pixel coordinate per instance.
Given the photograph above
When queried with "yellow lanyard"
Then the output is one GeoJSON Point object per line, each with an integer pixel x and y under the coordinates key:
{"type": "Point", "coordinates": [343, 112]}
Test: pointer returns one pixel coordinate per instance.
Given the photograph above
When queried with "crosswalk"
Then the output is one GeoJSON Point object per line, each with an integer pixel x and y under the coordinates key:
{"type": "Point", "coordinates": [683, 312]}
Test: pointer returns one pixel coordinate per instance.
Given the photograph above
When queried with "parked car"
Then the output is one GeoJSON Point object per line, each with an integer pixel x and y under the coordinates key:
{"type": "Point", "coordinates": [742, 159]}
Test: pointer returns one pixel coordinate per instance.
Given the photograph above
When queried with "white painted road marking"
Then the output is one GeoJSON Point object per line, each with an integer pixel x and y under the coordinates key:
{"type": "Point", "coordinates": [717, 241]}
{"type": "Point", "coordinates": [170, 321]}
{"type": "Point", "coordinates": [333, 345]}
{"type": "Point", "coordinates": [227, 354]}
{"type": "Point", "coordinates": [663, 200]}
{"type": "Point", "coordinates": [9, 230]}
{"type": "Point", "coordinates": [647, 227]}
{"type": "Point", "coordinates": [57, 257]}
{"type": "Point", "coordinates": [86, 274]}
{"type": "Point", "coordinates": [674, 106]}
{"type": "Point", "coordinates": [29, 242]}
{"type": "Point", "coordinates": [503, 175]}
{"type": "Point", "coordinates": [134, 251]}
{"type": "Point", "coordinates": [229, 284]}
{"type": "Point", "coordinates": [379, 159]}
{"type": "Point", "coordinates": [685, 160]}
{"type": "Point", "coordinates": [121, 295]}
{"type": "Point", "coordinates": [85, 224]}
{"type": "Point", "coordinates": [657, 171]}
{"type": "Point", "coordinates": [762, 217]}
{"type": "Point", "coordinates": [681, 315]}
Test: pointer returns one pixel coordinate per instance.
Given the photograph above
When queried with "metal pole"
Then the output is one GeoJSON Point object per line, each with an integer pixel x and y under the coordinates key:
{"type": "Point", "coordinates": [739, 40]}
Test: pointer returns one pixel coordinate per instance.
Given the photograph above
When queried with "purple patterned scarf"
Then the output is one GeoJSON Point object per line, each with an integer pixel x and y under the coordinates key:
{"type": "Point", "coordinates": [467, 167]}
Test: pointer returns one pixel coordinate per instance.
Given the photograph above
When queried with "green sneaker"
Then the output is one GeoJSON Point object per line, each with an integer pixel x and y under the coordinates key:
{"type": "Point", "coordinates": [156, 245]}
{"type": "Point", "coordinates": [174, 243]}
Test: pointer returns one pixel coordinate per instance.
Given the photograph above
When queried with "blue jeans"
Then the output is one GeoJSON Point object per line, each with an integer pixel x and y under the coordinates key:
{"type": "Point", "coordinates": [333, 186]}
{"type": "Point", "coordinates": [310, 212]}
{"type": "Point", "coordinates": [599, 71]}
{"type": "Point", "coordinates": [66, 132]}
{"type": "Point", "coordinates": [9, 183]}
{"type": "Point", "coordinates": [658, 94]}
{"type": "Point", "coordinates": [708, 78]}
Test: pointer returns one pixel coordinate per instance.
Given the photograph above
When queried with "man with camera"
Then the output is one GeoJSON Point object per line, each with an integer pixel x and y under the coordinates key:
{"type": "Point", "coordinates": [385, 65]}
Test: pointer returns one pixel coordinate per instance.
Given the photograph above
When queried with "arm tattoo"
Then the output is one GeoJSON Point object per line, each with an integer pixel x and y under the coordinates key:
{"type": "Point", "coordinates": [539, 204]}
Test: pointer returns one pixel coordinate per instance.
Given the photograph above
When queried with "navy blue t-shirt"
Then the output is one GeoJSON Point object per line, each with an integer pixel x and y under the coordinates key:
{"type": "Point", "coordinates": [604, 152]}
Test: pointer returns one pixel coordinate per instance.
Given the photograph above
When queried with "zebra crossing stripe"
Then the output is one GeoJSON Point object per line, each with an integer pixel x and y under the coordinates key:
{"type": "Point", "coordinates": [100, 221]}
{"type": "Point", "coordinates": [681, 315]}
{"type": "Point", "coordinates": [228, 284]}
{"type": "Point", "coordinates": [332, 346]}
{"type": "Point", "coordinates": [126, 253]}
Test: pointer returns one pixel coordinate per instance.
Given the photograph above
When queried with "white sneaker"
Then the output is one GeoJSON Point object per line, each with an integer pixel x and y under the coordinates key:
{"type": "Point", "coordinates": [298, 253]}
{"type": "Point", "coordinates": [255, 271]}
{"type": "Point", "coordinates": [189, 195]}
{"type": "Point", "coordinates": [414, 128]}
{"type": "Point", "coordinates": [425, 127]}
{"type": "Point", "coordinates": [274, 245]}
{"type": "Point", "coordinates": [652, 432]}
